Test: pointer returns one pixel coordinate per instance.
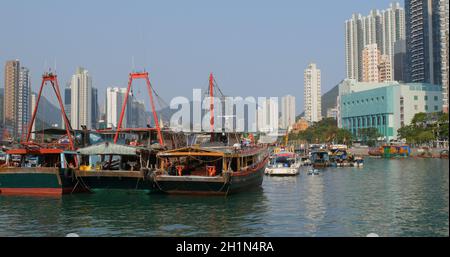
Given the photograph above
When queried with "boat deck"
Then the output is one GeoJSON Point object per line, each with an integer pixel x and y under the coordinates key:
{"type": "Point", "coordinates": [190, 178]}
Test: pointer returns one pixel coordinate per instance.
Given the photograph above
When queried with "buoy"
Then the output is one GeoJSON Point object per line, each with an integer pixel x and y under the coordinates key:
{"type": "Point", "coordinates": [372, 235]}
{"type": "Point", "coordinates": [72, 235]}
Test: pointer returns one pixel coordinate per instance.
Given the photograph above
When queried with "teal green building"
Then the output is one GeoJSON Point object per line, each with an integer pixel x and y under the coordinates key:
{"type": "Point", "coordinates": [386, 106]}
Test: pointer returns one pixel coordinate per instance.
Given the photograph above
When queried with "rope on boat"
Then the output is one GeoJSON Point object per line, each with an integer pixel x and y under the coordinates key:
{"type": "Point", "coordinates": [79, 178]}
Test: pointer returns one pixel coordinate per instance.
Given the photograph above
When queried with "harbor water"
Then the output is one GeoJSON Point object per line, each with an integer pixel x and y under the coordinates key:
{"type": "Point", "coordinates": [399, 197]}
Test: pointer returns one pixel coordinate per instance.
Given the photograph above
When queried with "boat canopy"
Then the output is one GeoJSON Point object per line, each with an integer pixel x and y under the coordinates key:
{"type": "Point", "coordinates": [107, 148]}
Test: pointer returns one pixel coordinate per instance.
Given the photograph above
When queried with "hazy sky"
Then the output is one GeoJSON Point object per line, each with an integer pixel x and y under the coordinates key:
{"type": "Point", "coordinates": [254, 48]}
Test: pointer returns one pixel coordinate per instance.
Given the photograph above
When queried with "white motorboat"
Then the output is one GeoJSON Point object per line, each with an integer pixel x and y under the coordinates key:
{"type": "Point", "coordinates": [283, 164]}
{"type": "Point", "coordinates": [313, 172]}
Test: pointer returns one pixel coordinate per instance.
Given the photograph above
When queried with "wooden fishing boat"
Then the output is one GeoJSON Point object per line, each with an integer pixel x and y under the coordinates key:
{"type": "Point", "coordinates": [211, 170]}
{"type": "Point", "coordinates": [38, 171]}
{"type": "Point", "coordinates": [113, 166]}
{"type": "Point", "coordinates": [42, 168]}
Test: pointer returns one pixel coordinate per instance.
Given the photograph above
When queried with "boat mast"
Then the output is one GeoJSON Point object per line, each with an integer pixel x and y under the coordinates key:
{"type": "Point", "coordinates": [139, 75]}
{"type": "Point", "coordinates": [211, 106]}
{"type": "Point", "coordinates": [50, 77]}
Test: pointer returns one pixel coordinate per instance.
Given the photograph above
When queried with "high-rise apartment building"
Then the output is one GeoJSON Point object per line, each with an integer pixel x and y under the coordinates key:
{"type": "Point", "coordinates": [312, 93]}
{"type": "Point", "coordinates": [370, 61]}
{"type": "Point", "coordinates": [16, 104]}
{"type": "Point", "coordinates": [399, 67]}
{"type": "Point", "coordinates": [115, 97]}
{"type": "Point", "coordinates": [426, 53]}
{"type": "Point", "coordinates": [94, 108]}
{"type": "Point", "coordinates": [81, 99]}
{"type": "Point", "coordinates": [267, 116]}
{"type": "Point", "coordinates": [23, 112]}
{"type": "Point", "coordinates": [12, 70]}
{"type": "Point", "coordinates": [287, 111]}
{"type": "Point", "coordinates": [67, 103]}
{"type": "Point", "coordinates": [382, 28]}
{"type": "Point", "coordinates": [384, 69]}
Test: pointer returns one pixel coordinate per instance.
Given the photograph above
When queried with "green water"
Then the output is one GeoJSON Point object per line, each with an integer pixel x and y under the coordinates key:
{"type": "Point", "coordinates": [404, 197]}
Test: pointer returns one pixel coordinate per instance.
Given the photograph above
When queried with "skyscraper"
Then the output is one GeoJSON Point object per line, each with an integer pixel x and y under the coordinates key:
{"type": "Point", "coordinates": [287, 111]}
{"type": "Point", "coordinates": [12, 70]}
{"type": "Point", "coordinates": [399, 67]}
{"type": "Point", "coordinates": [67, 103]}
{"type": "Point", "coordinates": [426, 54]}
{"type": "Point", "coordinates": [81, 99]}
{"type": "Point", "coordinates": [23, 102]}
{"type": "Point", "coordinates": [95, 110]}
{"type": "Point", "coordinates": [393, 29]}
{"type": "Point", "coordinates": [384, 69]}
{"type": "Point", "coordinates": [381, 28]}
{"type": "Point", "coordinates": [444, 23]}
{"type": "Point", "coordinates": [312, 93]}
{"type": "Point", "coordinates": [115, 97]}
{"type": "Point", "coordinates": [371, 59]}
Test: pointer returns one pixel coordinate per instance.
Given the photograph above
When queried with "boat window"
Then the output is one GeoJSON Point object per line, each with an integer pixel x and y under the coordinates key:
{"type": "Point", "coordinates": [69, 160]}
{"type": "Point", "coordinates": [48, 160]}
{"type": "Point", "coordinates": [234, 164]}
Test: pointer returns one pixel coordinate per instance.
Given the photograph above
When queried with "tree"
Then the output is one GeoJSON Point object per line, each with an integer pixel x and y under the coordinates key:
{"type": "Point", "coordinates": [369, 135]}
{"type": "Point", "coordinates": [425, 127]}
{"type": "Point", "coordinates": [325, 131]}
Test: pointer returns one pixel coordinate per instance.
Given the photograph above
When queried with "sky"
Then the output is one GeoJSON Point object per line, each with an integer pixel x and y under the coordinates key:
{"type": "Point", "coordinates": [254, 47]}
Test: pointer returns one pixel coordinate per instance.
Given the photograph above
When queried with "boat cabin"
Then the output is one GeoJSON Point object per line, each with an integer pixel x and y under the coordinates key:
{"type": "Point", "coordinates": [41, 157]}
{"type": "Point", "coordinates": [109, 156]}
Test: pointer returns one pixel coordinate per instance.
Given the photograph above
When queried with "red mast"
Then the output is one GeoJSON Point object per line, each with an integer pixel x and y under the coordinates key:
{"type": "Point", "coordinates": [49, 77]}
{"type": "Point", "coordinates": [211, 106]}
{"type": "Point", "coordinates": [139, 75]}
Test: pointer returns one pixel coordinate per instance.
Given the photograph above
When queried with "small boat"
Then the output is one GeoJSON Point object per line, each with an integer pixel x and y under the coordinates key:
{"type": "Point", "coordinates": [443, 154]}
{"type": "Point", "coordinates": [358, 161]}
{"type": "Point", "coordinates": [339, 157]}
{"type": "Point", "coordinates": [320, 159]}
{"type": "Point", "coordinates": [211, 169]}
{"type": "Point", "coordinates": [283, 164]}
{"type": "Point", "coordinates": [313, 172]}
{"type": "Point", "coordinates": [389, 151]}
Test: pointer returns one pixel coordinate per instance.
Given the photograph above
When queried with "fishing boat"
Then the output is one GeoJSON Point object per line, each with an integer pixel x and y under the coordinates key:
{"type": "Point", "coordinates": [127, 156]}
{"type": "Point", "coordinates": [303, 157]}
{"type": "Point", "coordinates": [320, 158]}
{"type": "Point", "coordinates": [339, 157]}
{"type": "Point", "coordinates": [283, 164]}
{"type": "Point", "coordinates": [114, 166]}
{"type": "Point", "coordinates": [43, 168]}
{"type": "Point", "coordinates": [38, 171]}
{"type": "Point", "coordinates": [211, 169]}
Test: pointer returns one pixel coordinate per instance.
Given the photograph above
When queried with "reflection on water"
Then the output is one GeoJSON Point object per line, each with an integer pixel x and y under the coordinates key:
{"type": "Point", "coordinates": [388, 197]}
